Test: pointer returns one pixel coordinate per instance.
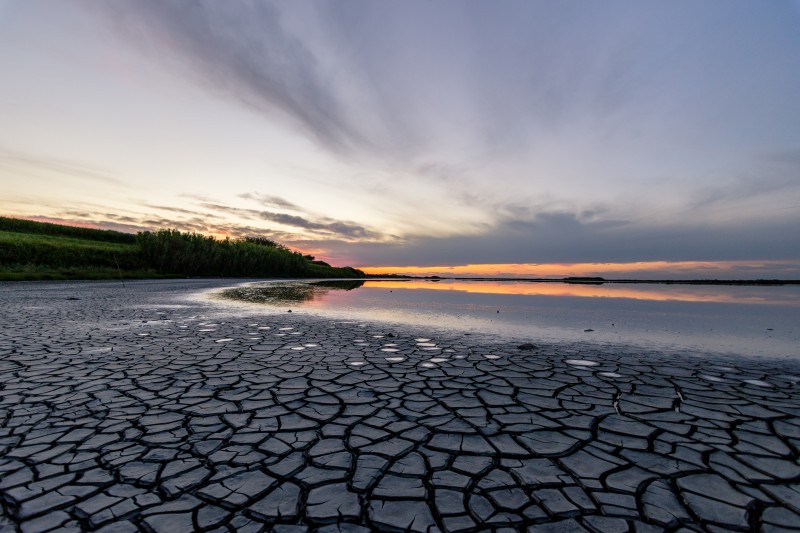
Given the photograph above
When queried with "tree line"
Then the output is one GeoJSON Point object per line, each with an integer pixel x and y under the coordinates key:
{"type": "Point", "coordinates": [193, 254]}
{"type": "Point", "coordinates": [166, 252]}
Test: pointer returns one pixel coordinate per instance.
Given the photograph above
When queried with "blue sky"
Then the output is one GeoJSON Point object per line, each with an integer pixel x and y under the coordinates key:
{"type": "Point", "coordinates": [414, 133]}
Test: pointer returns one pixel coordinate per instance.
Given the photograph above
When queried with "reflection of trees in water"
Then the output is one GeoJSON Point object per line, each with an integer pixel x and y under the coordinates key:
{"type": "Point", "coordinates": [347, 285]}
{"type": "Point", "coordinates": [288, 293]}
{"type": "Point", "coordinates": [274, 294]}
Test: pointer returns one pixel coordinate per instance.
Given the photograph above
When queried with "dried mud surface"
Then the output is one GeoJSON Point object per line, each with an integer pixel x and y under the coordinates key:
{"type": "Point", "coordinates": [137, 409]}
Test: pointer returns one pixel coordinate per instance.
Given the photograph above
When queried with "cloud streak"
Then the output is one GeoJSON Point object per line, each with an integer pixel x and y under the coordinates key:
{"type": "Point", "coordinates": [18, 161]}
{"type": "Point", "coordinates": [326, 226]}
{"type": "Point", "coordinates": [320, 227]}
{"type": "Point", "coordinates": [244, 51]}
{"type": "Point", "coordinates": [133, 223]}
{"type": "Point", "coordinates": [270, 201]}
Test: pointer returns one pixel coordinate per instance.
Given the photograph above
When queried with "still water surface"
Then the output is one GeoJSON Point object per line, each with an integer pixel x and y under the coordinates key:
{"type": "Point", "coordinates": [744, 320]}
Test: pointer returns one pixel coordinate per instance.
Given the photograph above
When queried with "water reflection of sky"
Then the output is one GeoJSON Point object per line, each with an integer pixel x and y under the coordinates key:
{"type": "Point", "coordinates": [746, 320]}
{"type": "Point", "coordinates": [785, 295]}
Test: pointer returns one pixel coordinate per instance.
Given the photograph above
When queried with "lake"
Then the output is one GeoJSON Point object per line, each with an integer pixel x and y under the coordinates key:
{"type": "Point", "coordinates": [762, 321]}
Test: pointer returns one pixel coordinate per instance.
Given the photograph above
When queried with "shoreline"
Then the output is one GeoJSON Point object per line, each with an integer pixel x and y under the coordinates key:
{"type": "Point", "coordinates": [146, 408]}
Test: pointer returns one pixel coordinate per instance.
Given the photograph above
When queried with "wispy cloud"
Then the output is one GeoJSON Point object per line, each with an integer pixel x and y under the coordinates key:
{"type": "Point", "coordinates": [789, 157]}
{"type": "Point", "coordinates": [324, 225]}
{"type": "Point", "coordinates": [15, 161]}
{"type": "Point", "coordinates": [132, 223]}
{"type": "Point", "coordinates": [244, 51]}
{"type": "Point", "coordinates": [231, 210]}
{"type": "Point", "coordinates": [173, 209]}
{"type": "Point", "coordinates": [267, 200]}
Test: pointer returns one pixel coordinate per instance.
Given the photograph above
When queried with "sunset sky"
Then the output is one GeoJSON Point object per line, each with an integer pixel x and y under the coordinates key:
{"type": "Point", "coordinates": [637, 139]}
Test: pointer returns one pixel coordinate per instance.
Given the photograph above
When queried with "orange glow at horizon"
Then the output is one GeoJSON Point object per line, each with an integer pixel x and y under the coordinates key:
{"type": "Point", "coordinates": [543, 270]}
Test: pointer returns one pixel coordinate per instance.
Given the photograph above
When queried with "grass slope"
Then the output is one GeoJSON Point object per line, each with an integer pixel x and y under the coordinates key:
{"type": "Point", "coordinates": [37, 250]}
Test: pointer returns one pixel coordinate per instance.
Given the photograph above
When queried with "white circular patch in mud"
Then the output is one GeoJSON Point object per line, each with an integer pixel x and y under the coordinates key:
{"type": "Point", "coordinates": [581, 362]}
{"type": "Point", "coordinates": [758, 383]}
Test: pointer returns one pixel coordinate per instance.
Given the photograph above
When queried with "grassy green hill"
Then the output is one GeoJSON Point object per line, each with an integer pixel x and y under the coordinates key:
{"type": "Point", "coordinates": [37, 250]}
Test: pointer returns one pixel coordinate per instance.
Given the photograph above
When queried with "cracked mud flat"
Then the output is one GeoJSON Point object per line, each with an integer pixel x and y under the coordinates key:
{"type": "Point", "coordinates": [137, 409]}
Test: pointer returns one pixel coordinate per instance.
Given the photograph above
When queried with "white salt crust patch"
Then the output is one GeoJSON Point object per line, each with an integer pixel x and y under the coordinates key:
{"type": "Point", "coordinates": [581, 362]}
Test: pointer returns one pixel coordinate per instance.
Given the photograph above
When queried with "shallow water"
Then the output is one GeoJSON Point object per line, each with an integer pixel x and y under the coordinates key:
{"type": "Point", "coordinates": [743, 320]}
